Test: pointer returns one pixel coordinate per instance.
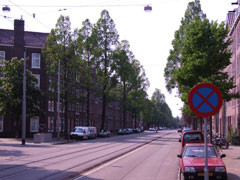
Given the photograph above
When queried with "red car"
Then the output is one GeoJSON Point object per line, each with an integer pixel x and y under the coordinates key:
{"type": "Point", "coordinates": [192, 163]}
{"type": "Point", "coordinates": [193, 136]}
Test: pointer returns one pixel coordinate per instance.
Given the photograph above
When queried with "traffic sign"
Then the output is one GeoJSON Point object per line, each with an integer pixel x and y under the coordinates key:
{"type": "Point", "coordinates": [205, 99]}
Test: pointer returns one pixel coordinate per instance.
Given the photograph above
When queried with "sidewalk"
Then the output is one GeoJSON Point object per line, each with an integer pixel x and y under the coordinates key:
{"type": "Point", "coordinates": [232, 162]}
{"type": "Point", "coordinates": [54, 141]}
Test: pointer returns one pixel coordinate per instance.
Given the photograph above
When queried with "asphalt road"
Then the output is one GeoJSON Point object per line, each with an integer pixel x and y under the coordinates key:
{"type": "Point", "coordinates": [154, 161]}
{"type": "Point", "coordinates": [147, 156]}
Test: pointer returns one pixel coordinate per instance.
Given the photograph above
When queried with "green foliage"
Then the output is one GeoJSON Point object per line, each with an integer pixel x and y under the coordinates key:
{"type": "Point", "coordinates": [161, 114]}
{"type": "Point", "coordinates": [11, 91]}
{"type": "Point", "coordinates": [200, 54]}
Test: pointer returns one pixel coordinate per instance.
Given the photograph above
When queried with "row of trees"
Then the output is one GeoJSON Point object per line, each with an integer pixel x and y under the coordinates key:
{"type": "Point", "coordinates": [102, 64]}
{"type": "Point", "coordinates": [90, 58]}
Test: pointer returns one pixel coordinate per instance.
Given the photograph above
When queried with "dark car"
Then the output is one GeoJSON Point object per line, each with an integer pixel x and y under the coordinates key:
{"type": "Point", "coordinates": [179, 130]}
{"type": "Point", "coordinates": [104, 133]}
{"type": "Point", "coordinates": [192, 163]}
{"type": "Point", "coordinates": [122, 132]}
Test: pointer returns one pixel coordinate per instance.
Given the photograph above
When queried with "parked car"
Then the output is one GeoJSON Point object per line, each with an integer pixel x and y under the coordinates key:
{"type": "Point", "coordinates": [129, 130]}
{"type": "Point", "coordinates": [104, 133]}
{"type": "Point", "coordinates": [179, 130]}
{"type": "Point", "coordinates": [137, 130]}
{"type": "Point", "coordinates": [184, 130]}
{"type": "Point", "coordinates": [151, 129]}
{"type": "Point", "coordinates": [194, 136]}
{"type": "Point", "coordinates": [122, 132]}
{"type": "Point", "coordinates": [80, 132]}
{"type": "Point", "coordinates": [192, 162]}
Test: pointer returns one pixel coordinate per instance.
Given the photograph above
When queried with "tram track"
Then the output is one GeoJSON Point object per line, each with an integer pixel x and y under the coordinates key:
{"type": "Point", "coordinates": [89, 151]}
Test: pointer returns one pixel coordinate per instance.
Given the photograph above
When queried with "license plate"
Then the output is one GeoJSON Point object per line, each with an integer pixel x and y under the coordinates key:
{"type": "Point", "coordinates": [202, 174]}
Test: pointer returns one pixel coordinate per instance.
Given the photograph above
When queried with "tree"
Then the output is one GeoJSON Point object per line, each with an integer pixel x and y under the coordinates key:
{"type": "Point", "coordinates": [60, 47]}
{"type": "Point", "coordinates": [86, 48]}
{"type": "Point", "coordinates": [174, 59]}
{"type": "Point", "coordinates": [200, 54]}
{"type": "Point", "coordinates": [137, 96]}
{"type": "Point", "coordinates": [123, 68]}
{"type": "Point", "coordinates": [11, 92]}
{"type": "Point", "coordinates": [162, 114]}
{"type": "Point", "coordinates": [107, 39]}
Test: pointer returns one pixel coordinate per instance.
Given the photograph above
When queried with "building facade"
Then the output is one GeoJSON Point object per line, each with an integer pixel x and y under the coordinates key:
{"type": "Point", "coordinates": [228, 118]}
{"type": "Point", "coordinates": [13, 43]}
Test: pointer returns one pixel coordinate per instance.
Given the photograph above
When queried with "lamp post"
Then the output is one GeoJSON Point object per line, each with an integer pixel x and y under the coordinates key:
{"type": "Point", "coordinates": [24, 101]}
{"type": "Point", "coordinates": [58, 103]}
{"type": "Point", "coordinates": [6, 9]}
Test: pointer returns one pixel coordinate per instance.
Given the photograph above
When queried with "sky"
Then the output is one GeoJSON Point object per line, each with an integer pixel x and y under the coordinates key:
{"type": "Point", "coordinates": [149, 34]}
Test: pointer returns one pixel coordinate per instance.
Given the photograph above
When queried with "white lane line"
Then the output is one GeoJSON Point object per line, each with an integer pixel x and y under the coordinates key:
{"type": "Point", "coordinates": [110, 162]}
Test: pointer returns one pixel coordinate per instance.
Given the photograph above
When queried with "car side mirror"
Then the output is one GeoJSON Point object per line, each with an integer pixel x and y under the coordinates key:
{"type": "Point", "coordinates": [222, 155]}
{"type": "Point", "coordinates": [179, 155]}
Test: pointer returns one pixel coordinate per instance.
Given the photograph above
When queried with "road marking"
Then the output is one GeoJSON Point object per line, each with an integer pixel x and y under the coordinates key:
{"type": "Point", "coordinates": [110, 162]}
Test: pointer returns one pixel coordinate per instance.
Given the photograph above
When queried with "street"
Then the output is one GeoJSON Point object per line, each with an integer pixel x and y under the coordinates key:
{"type": "Point", "coordinates": [156, 160]}
{"type": "Point", "coordinates": [147, 155]}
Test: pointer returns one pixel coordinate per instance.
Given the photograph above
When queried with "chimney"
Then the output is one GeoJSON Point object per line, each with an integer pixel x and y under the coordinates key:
{"type": "Point", "coordinates": [18, 50]}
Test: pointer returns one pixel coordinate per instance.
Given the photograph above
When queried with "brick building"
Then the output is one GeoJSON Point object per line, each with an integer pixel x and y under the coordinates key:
{"type": "Point", "coordinates": [229, 115]}
{"type": "Point", "coordinates": [13, 43]}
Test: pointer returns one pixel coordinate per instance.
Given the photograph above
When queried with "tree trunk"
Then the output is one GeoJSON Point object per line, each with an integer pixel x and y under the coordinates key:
{"type": "Point", "coordinates": [124, 104]}
{"type": "Point", "coordinates": [103, 107]}
{"type": "Point", "coordinates": [88, 106]}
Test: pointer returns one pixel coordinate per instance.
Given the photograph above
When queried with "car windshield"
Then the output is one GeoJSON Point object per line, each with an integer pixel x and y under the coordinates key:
{"type": "Point", "coordinates": [198, 151]}
{"type": "Point", "coordinates": [193, 137]}
{"type": "Point", "coordinates": [80, 130]}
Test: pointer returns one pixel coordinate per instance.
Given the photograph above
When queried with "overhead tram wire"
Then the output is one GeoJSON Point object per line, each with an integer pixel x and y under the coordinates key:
{"type": "Point", "coordinates": [77, 6]}
{"type": "Point", "coordinates": [31, 15]}
{"type": "Point", "coordinates": [64, 8]}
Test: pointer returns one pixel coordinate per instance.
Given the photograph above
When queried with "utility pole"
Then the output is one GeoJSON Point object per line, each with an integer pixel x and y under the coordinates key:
{"type": "Point", "coordinates": [58, 103]}
{"type": "Point", "coordinates": [24, 101]}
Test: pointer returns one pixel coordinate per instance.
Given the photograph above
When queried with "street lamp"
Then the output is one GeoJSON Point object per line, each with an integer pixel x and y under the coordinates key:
{"type": "Point", "coordinates": [148, 8]}
{"type": "Point", "coordinates": [6, 9]}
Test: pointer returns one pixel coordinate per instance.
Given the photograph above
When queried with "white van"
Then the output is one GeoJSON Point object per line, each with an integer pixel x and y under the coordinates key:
{"type": "Point", "coordinates": [80, 132]}
{"type": "Point", "coordinates": [92, 132]}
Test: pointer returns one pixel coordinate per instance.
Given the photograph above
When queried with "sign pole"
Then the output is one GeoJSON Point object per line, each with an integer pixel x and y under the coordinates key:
{"type": "Point", "coordinates": [206, 150]}
{"type": "Point", "coordinates": [205, 100]}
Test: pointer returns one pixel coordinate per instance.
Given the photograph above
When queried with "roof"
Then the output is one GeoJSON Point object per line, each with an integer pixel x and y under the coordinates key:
{"type": "Point", "coordinates": [35, 39]}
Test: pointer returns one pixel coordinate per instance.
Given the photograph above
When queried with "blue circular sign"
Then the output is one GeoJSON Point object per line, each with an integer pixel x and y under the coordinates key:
{"type": "Point", "coordinates": [205, 99]}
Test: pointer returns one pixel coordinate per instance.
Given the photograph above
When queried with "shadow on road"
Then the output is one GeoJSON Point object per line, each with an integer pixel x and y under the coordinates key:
{"type": "Point", "coordinates": [15, 171]}
{"type": "Point", "coordinates": [233, 176]}
{"type": "Point", "coordinates": [15, 153]}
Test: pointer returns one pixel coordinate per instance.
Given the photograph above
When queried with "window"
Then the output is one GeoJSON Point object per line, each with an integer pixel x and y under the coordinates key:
{"type": "Point", "coordinates": [1, 123]}
{"type": "Point", "coordinates": [78, 93]}
{"type": "Point", "coordinates": [50, 84]}
{"type": "Point", "coordinates": [73, 107]}
{"type": "Point", "coordinates": [37, 76]}
{"type": "Point", "coordinates": [50, 124]}
{"type": "Point", "coordinates": [62, 107]}
{"type": "Point", "coordinates": [51, 106]}
{"type": "Point", "coordinates": [34, 124]}
{"type": "Point", "coordinates": [63, 124]}
{"type": "Point", "coordinates": [76, 122]}
{"type": "Point", "coordinates": [2, 57]}
{"type": "Point", "coordinates": [36, 58]}
{"type": "Point", "coordinates": [77, 108]}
